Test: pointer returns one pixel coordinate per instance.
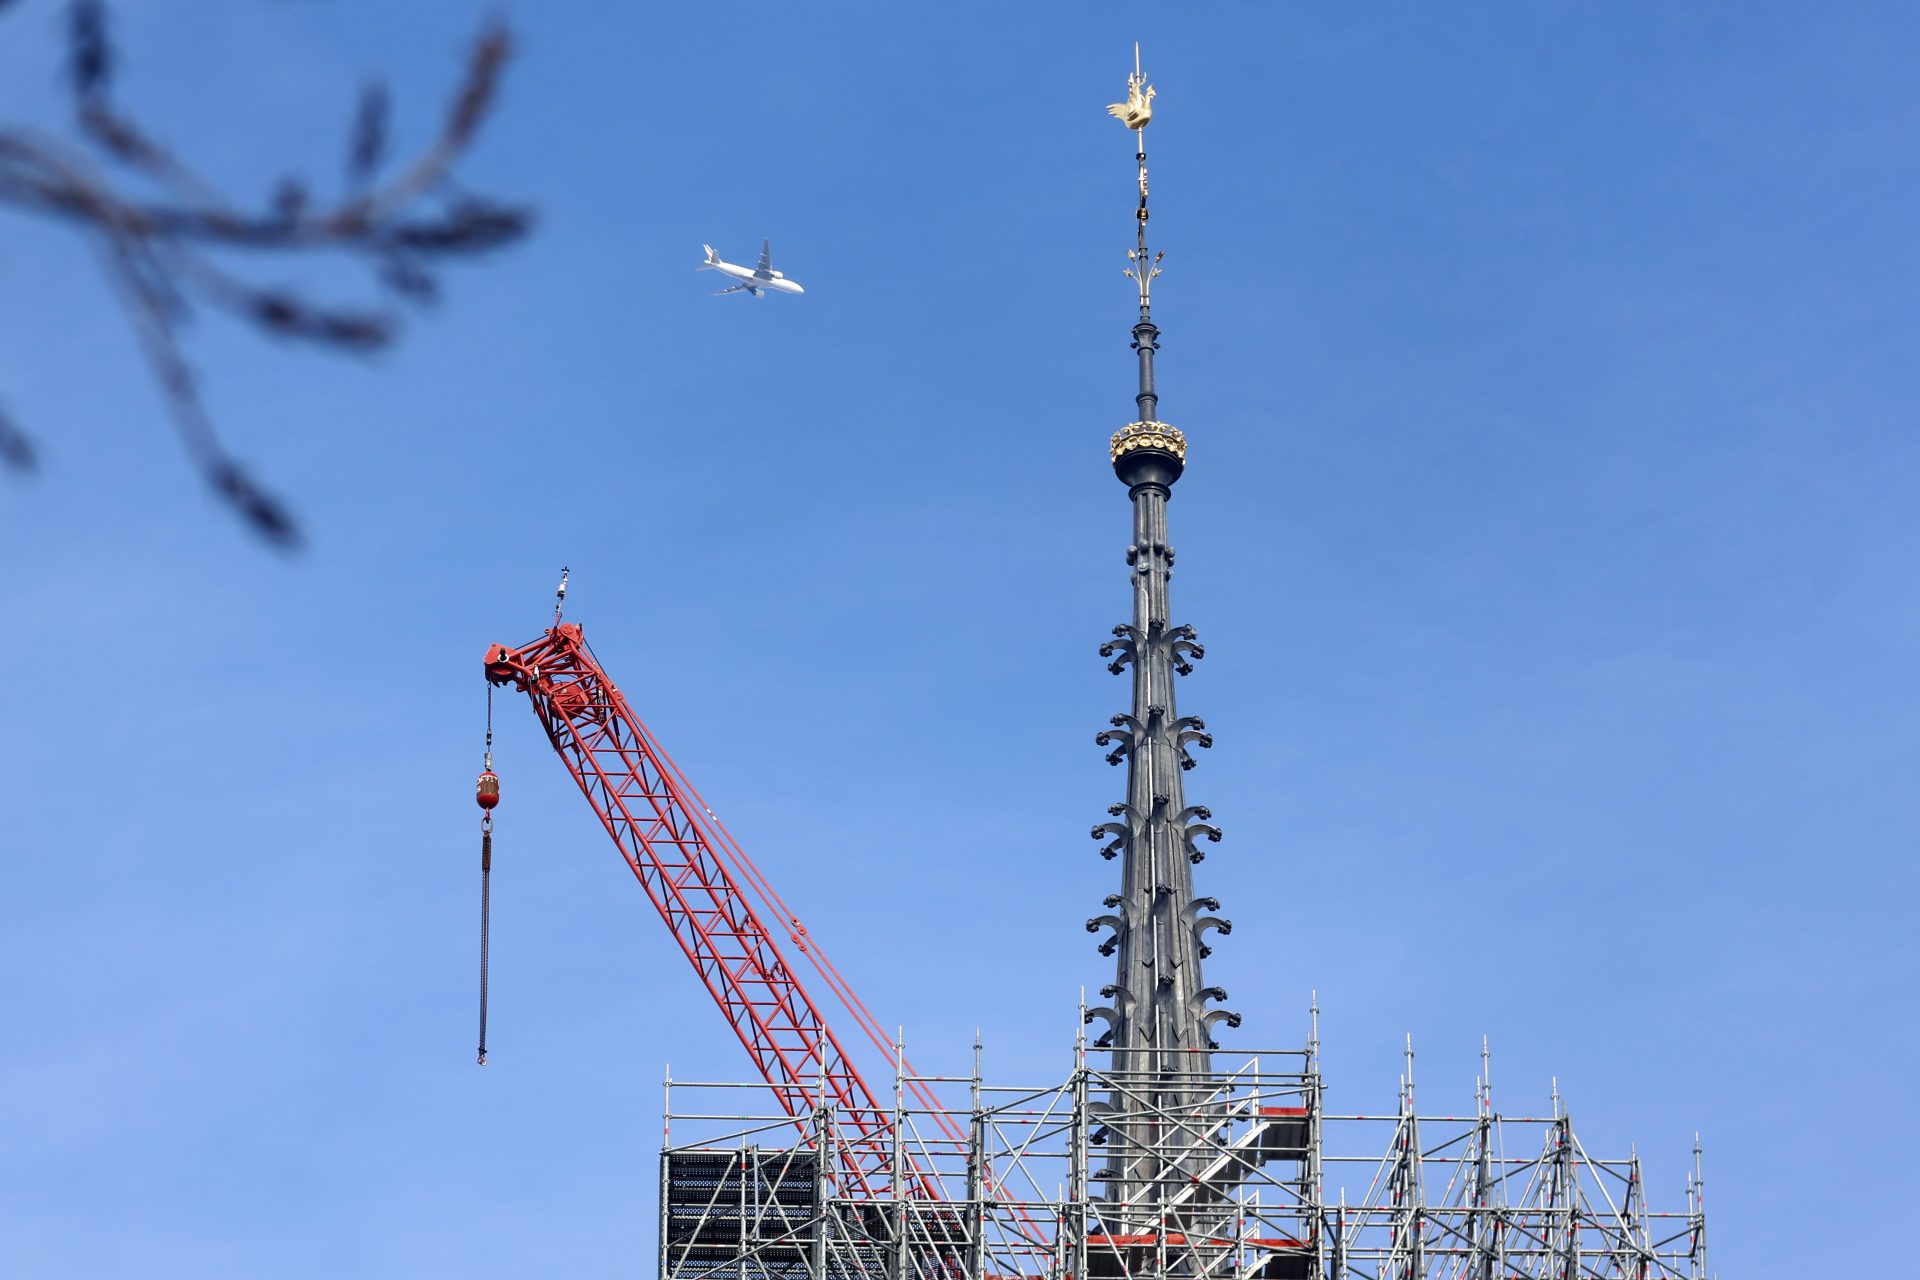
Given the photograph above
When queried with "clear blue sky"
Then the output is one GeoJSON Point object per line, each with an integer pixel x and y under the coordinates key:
{"type": "Point", "coordinates": [1550, 376]}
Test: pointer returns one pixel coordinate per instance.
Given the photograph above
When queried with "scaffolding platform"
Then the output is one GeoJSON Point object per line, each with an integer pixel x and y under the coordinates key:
{"type": "Point", "coordinates": [1117, 1173]}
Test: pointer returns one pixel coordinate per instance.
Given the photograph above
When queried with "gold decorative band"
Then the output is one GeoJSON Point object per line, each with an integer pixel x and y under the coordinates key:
{"type": "Point", "coordinates": [1149, 435]}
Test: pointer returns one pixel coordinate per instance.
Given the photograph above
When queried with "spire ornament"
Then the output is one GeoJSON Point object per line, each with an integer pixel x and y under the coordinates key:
{"type": "Point", "coordinates": [1137, 111]}
{"type": "Point", "coordinates": [1145, 451]}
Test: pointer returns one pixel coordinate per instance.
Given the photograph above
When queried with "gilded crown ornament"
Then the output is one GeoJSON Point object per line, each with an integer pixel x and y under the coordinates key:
{"type": "Point", "coordinates": [1149, 435]}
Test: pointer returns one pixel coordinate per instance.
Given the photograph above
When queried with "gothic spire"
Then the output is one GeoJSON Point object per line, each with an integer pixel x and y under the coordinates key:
{"type": "Point", "coordinates": [1159, 1022]}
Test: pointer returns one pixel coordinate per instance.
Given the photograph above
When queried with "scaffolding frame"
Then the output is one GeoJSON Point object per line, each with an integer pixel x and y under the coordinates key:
{"type": "Point", "coordinates": [1010, 1182]}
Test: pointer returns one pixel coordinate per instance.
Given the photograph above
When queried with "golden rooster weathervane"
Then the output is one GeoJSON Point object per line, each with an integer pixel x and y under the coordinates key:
{"type": "Point", "coordinates": [1136, 113]}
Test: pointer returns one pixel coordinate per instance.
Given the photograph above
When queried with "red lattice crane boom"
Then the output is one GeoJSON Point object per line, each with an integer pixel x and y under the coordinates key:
{"type": "Point", "coordinates": [693, 870]}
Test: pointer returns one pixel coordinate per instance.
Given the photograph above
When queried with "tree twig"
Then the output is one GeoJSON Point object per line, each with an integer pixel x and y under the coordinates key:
{"type": "Point", "coordinates": [159, 225]}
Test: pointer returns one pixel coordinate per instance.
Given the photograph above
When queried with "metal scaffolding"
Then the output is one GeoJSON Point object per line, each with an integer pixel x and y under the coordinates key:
{"type": "Point", "coordinates": [1004, 1182]}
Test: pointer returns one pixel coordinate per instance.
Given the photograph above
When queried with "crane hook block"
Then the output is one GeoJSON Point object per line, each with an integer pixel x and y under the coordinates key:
{"type": "Point", "coordinates": [486, 791]}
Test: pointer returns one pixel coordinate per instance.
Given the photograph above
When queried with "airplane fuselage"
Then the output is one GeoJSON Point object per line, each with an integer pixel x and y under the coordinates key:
{"type": "Point", "coordinates": [746, 276]}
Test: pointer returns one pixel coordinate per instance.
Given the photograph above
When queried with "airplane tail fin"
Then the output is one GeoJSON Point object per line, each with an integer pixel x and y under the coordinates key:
{"type": "Point", "coordinates": [713, 259]}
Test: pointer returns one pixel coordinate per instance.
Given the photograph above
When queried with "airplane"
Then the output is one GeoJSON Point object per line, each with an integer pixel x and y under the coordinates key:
{"type": "Point", "coordinates": [756, 280]}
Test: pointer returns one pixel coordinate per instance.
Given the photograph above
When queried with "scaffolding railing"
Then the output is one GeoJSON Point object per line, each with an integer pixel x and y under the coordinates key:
{"type": "Point", "coordinates": [1100, 1176]}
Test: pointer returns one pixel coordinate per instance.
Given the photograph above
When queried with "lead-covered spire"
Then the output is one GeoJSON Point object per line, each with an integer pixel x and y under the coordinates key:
{"type": "Point", "coordinates": [1160, 1011]}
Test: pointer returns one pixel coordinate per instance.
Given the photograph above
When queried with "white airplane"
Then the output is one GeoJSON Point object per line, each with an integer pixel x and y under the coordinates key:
{"type": "Point", "coordinates": [753, 280]}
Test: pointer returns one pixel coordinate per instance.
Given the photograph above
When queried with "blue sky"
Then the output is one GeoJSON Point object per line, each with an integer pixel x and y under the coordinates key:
{"type": "Point", "coordinates": [1549, 376]}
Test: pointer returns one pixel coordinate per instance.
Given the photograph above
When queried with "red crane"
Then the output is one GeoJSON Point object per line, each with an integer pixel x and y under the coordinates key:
{"type": "Point", "coordinates": [705, 887]}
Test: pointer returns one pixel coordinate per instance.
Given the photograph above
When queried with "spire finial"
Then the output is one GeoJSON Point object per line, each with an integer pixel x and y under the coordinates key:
{"type": "Point", "coordinates": [1161, 448]}
{"type": "Point", "coordinates": [1137, 113]}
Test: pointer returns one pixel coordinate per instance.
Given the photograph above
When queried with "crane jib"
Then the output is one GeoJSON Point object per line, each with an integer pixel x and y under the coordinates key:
{"type": "Point", "coordinates": [668, 841]}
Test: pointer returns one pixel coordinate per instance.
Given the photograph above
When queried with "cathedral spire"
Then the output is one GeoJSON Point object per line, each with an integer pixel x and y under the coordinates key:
{"type": "Point", "coordinates": [1159, 1022]}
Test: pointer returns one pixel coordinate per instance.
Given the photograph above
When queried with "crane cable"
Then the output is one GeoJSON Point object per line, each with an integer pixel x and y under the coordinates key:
{"type": "Point", "coordinates": [486, 793]}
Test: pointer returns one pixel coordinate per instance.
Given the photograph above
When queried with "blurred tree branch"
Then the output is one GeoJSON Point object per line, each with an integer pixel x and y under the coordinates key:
{"type": "Point", "coordinates": [158, 227]}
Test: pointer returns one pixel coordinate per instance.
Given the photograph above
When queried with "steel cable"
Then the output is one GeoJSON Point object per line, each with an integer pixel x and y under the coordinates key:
{"type": "Point", "coordinates": [486, 905]}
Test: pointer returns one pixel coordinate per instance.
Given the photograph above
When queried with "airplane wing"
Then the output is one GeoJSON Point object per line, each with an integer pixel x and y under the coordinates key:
{"type": "Point", "coordinates": [736, 289]}
{"type": "Point", "coordinates": [765, 270]}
